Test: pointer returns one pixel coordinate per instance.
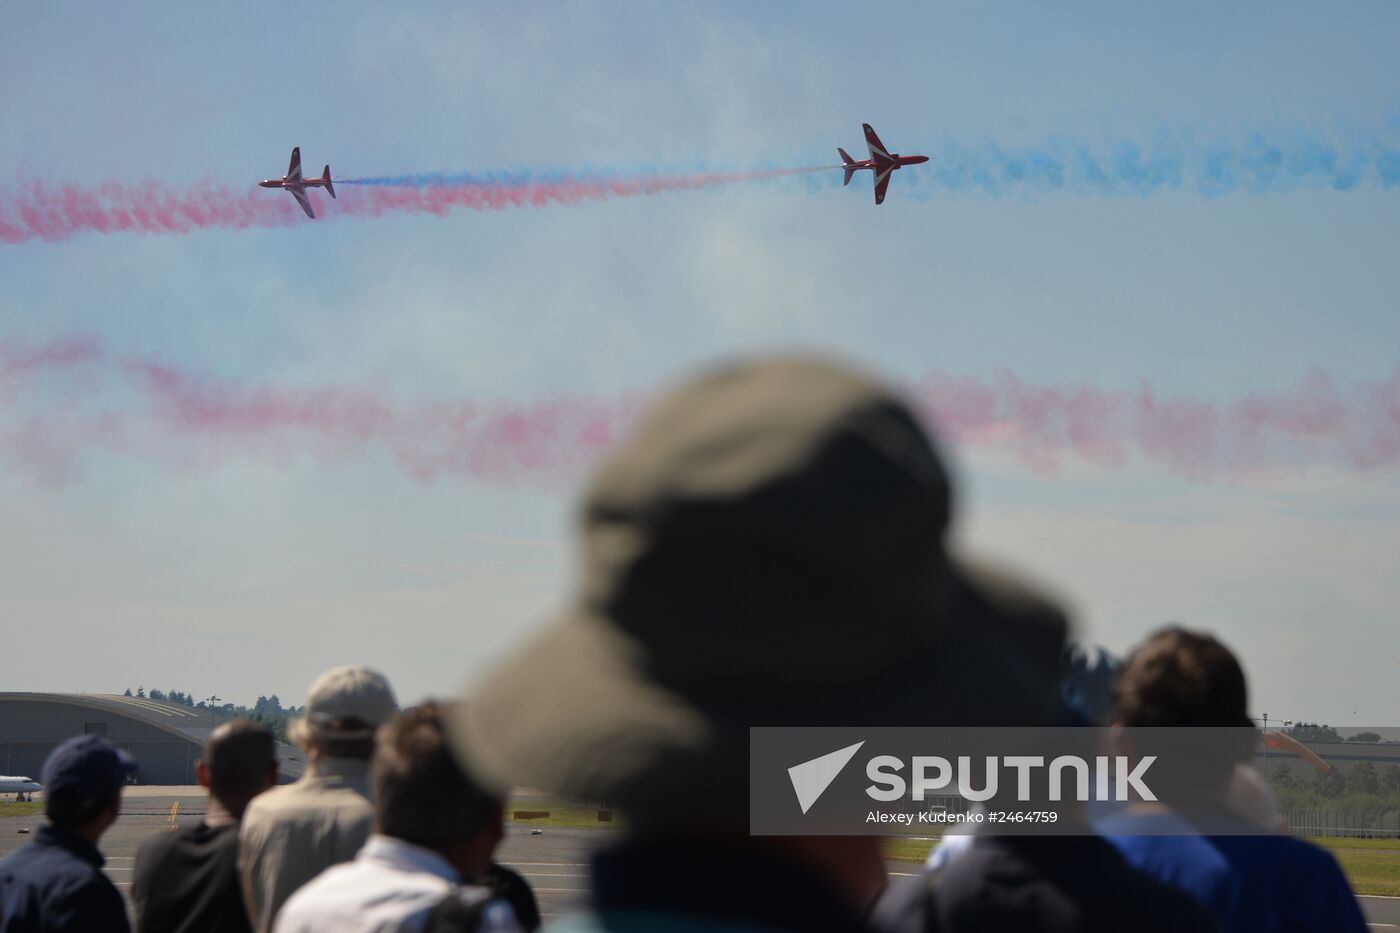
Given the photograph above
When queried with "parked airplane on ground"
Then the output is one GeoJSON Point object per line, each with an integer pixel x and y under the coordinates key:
{"type": "Point", "coordinates": [882, 163]}
{"type": "Point", "coordinates": [14, 784]}
{"type": "Point", "coordinates": [294, 183]}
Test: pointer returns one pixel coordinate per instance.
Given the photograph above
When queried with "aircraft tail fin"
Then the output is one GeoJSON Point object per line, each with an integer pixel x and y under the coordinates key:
{"type": "Point", "coordinates": [326, 177]}
{"type": "Point", "coordinates": [847, 161]}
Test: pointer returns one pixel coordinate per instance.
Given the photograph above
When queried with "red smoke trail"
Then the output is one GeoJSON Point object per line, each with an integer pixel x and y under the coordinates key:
{"type": "Point", "coordinates": [36, 210]}
{"type": "Point", "coordinates": [17, 360]}
{"type": "Point", "coordinates": [50, 442]}
{"type": "Point", "coordinates": [40, 211]}
{"type": "Point", "coordinates": [547, 440]}
{"type": "Point", "coordinates": [148, 410]}
{"type": "Point", "coordinates": [1315, 422]}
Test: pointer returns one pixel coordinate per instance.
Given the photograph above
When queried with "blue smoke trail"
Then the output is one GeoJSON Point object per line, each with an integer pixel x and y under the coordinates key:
{"type": "Point", "coordinates": [507, 178]}
{"type": "Point", "coordinates": [1258, 164]}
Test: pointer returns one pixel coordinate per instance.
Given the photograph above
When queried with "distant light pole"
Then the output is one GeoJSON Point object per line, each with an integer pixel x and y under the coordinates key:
{"type": "Point", "coordinates": [1264, 718]}
{"type": "Point", "coordinates": [211, 701]}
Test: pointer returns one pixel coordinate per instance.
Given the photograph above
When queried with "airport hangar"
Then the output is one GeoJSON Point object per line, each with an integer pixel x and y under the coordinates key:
{"type": "Point", "coordinates": [166, 738]}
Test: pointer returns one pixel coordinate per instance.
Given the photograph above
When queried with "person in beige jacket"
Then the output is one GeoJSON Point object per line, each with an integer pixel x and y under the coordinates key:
{"type": "Point", "coordinates": [292, 833]}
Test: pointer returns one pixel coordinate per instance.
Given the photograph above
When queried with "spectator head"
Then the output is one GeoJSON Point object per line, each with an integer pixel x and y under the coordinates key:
{"type": "Point", "coordinates": [769, 548]}
{"type": "Point", "coordinates": [344, 707]}
{"type": "Point", "coordinates": [1185, 679]}
{"type": "Point", "coordinates": [240, 762]}
{"type": "Point", "coordinates": [422, 795]}
{"type": "Point", "coordinates": [83, 780]}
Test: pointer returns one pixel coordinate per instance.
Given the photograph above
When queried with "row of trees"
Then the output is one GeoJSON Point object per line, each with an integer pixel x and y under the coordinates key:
{"type": "Point", "coordinates": [269, 705]}
{"type": "Point", "coordinates": [174, 696]}
{"type": "Point", "coordinates": [1363, 786]}
{"type": "Point", "coordinates": [1307, 732]}
{"type": "Point", "coordinates": [267, 710]}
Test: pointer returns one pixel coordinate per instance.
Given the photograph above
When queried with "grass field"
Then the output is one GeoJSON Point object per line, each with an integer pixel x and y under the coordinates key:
{"type": "Point", "coordinates": [903, 849]}
{"type": "Point", "coordinates": [560, 814]}
{"type": "Point", "coordinates": [1348, 842]}
{"type": "Point", "coordinates": [1371, 865]}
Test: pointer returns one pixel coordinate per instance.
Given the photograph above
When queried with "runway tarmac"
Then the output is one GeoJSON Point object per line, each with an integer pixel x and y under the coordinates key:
{"type": "Point", "coordinates": [554, 862]}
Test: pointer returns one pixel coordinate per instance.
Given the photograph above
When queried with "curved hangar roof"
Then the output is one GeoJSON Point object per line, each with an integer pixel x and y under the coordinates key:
{"type": "Point", "coordinates": [166, 738]}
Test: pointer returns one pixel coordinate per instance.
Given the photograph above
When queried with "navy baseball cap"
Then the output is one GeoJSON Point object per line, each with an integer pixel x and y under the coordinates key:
{"type": "Point", "coordinates": [87, 766]}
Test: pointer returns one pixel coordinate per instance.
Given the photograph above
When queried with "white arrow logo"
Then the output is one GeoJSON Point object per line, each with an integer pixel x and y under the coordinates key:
{"type": "Point", "coordinates": [811, 778]}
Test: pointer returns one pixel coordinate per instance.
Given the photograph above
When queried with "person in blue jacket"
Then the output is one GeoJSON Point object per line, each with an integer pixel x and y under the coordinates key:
{"type": "Point", "coordinates": [55, 883]}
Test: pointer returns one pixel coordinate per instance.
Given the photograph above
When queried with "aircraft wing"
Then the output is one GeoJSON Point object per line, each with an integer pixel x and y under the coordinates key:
{"type": "Point", "coordinates": [304, 201]}
{"type": "Point", "coordinates": [294, 170]}
{"type": "Point", "coordinates": [877, 148]}
{"type": "Point", "coordinates": [882, 181]}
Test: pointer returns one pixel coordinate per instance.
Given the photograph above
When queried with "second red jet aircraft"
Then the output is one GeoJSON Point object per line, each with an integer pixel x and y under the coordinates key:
{"type": "Point", "coordinates": [296, 185]}
{"type": "Point", "coordinates": [882, 162]}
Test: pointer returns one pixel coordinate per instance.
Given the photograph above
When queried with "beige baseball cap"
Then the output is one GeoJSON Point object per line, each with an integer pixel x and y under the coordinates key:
{"type": "Point", "coordinates": [349, 702]}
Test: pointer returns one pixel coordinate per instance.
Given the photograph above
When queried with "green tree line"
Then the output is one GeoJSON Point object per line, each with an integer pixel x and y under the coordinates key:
{"type": "Point", "coordinates": [1363, 786]}
{"type": "Point", "coordinates": [267, 710]}
{"type": "Point", "coordinates": [1310, 732]}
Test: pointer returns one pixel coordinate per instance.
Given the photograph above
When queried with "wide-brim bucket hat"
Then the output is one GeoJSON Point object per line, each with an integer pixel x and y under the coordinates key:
{"type": "Point", "coordinates": [768, 549]}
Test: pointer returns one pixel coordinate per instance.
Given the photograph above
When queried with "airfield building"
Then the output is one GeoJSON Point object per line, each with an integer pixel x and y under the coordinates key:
{"type": "Point", "coordinates": [1340, 755]}
{"type": "Point", "coordinates": [166, 738]}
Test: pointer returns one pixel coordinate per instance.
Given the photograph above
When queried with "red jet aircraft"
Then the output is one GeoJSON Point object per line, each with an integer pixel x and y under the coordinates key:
{"type": "Point", "coordinates": [296, 185]}
{"type": "Point", "coordinates": [882, 162]}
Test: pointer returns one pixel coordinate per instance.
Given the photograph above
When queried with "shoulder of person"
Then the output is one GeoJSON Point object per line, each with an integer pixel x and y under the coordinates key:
{"type": "Point", "coordinates": [312, 797]}
{"type": "Point", "coordinates": [151, 856]}
{"type": "Point", "coordinates": [907, 905]}
{"type": "Point", "coordinates": [1286, 855]}
{"type": "Point", "coordinates": [76, 873]}
{"type": "Point", "coordinates": [1312, 855]}
{"type": "Point", "coordinates": [264, 802]}
{"type": "Point", "coordinates": [1160, 906]}
{"type": "Point", "coordinates": [157, 844]}
{"type": "Point", "coordinates": [306, 907]}
{"type": "Point", "coordinates": [1184, 913]}
{"type": "Point", "coordinates": [1317, 877]}
{"type": "Point", "coordinates": [471, 908]}
{"type": "Point", "coordinates": [89, 895]}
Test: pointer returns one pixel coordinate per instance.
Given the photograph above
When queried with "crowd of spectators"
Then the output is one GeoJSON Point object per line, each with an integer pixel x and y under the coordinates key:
{"type": "Point", "coordinates": [770, 548]}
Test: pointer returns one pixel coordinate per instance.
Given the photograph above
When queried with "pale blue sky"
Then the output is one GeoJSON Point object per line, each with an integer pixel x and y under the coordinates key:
{"type": "Point", "coordinates": [253, 575]}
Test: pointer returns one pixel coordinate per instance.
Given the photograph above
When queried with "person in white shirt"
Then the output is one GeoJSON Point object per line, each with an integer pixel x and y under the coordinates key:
{"type": "Point", "coordinates": [434, 833]}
